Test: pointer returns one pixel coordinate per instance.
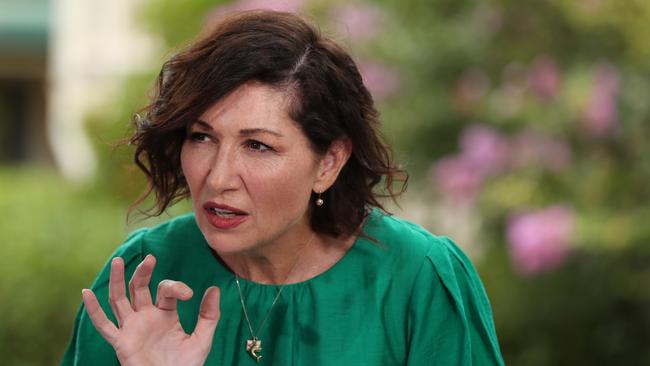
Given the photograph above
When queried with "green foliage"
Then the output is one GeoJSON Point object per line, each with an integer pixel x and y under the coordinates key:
{"type": "Point", "coordinates": [109, 129]}
{"type": "Point", "coordinates": [54, 239]}
{"type": "Point", "coordinates": [176, 23]}
{"type": "Point", "coordinates": [591, 310]}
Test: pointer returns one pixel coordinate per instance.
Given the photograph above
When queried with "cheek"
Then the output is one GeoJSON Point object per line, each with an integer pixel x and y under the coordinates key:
{"type": "Point", "coordinates": [281, 184]}
{"type": "Point", "coordinates": [194, 168]}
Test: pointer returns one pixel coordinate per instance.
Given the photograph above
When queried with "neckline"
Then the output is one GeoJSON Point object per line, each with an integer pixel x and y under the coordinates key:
{"type": "Point", "coordinates": [224, 275]}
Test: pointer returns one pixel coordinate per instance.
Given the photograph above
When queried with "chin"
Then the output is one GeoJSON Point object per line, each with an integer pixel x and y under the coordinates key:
{"type": "Point", "coordinates": [222, 246]}
{"type": "Point", "coordinates": [226, 243]}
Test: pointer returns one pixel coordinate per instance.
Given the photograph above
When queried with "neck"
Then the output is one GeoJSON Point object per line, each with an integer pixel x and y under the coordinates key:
{"type": "Point", "coordinates": [303, 260]}
{"type": "Point", "coordinates": [273, 264]}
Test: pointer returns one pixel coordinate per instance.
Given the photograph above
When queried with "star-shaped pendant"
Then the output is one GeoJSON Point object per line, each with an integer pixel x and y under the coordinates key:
{"type": "Point", "coordinates": [254, 346]}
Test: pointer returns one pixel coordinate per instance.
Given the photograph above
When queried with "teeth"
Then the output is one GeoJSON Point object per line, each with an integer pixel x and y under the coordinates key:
{"type": "Point", "coordinates": [224, 213]}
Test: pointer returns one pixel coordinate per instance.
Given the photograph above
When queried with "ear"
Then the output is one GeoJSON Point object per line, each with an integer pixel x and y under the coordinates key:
{"type": "Point", "coordinates": [331, 163]}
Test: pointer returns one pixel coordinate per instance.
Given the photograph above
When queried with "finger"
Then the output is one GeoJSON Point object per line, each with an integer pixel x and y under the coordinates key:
{"type": "Point", "coordinates": [116, 291]}
{"type": "Point", "coordinates": [208, 316]}
{"type": "Point", "coordinates": [169, 291]}
{"type": "Point", "coordinates": [105, 327]}
{"type": "Point", "coordinates": [139, 284]}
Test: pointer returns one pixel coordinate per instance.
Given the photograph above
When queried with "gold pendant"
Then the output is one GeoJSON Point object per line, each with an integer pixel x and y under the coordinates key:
{"type": "Point", "coordinates": [254, 346]}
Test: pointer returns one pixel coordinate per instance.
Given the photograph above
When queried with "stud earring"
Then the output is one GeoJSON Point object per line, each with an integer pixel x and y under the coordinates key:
{"type": "Point", "coordinates": [319, 200]}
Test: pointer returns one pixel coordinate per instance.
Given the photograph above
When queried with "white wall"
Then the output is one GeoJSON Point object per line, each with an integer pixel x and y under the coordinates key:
{"type": "Point", "coordinates": [93, 44]}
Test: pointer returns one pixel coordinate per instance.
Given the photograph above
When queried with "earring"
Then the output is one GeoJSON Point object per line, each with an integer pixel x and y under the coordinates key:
{"type": "Point", "coordinates": [319, 200]}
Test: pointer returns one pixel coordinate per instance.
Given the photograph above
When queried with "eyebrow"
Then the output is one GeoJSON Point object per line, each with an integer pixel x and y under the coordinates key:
{"type": "Point", "coordinates": [205, 125]}
{"type": "Point", "coordinates": [243, 132]}
{"type": "Point", "coordinates": [253, 131]}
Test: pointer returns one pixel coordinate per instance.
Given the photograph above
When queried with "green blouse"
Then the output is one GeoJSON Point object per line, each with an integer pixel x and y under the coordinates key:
{"type": "Point", "coordinates": [411, 298]}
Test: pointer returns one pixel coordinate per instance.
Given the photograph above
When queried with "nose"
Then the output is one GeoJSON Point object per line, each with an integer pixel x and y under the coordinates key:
{"type": "Point", "coordinates": [224, 171]}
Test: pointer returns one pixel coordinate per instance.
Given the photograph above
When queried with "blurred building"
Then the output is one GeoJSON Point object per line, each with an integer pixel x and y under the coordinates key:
{"type": "Point", "coordinates": [58, 60]}
{"type": "Point", "coordinates": [23, 74]}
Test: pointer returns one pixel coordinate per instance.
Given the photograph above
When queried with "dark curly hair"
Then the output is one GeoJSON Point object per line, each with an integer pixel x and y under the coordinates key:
{"type": "Point", "coordinates": [329, 102]}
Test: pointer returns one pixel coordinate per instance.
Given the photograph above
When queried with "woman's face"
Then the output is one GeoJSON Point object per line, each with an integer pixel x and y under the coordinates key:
{"type": "Point", "coordinates": [250, 171]}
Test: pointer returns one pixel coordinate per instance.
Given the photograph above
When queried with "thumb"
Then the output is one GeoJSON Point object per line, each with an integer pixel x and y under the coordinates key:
{"type": "Point", "coordinates": [208, 316]}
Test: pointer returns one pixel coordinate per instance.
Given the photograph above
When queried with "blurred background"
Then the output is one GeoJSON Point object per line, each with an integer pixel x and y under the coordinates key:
{"type": "Point", "coordinates": [525, 126]}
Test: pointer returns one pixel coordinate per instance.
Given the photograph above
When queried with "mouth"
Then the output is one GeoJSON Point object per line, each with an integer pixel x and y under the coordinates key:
{"type": "Point", "coordinates": [223, 210]}
{"type": "Point", "coordinates": [224, 216]}
{"type": "Point", "coordinates": [224, 213]}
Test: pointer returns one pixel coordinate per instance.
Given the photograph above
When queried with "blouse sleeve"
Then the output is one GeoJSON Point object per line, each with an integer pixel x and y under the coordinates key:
{"type": "Point", "coordinates": [87, 346]}
{"type": "Point", "coordinates": [450, 320]}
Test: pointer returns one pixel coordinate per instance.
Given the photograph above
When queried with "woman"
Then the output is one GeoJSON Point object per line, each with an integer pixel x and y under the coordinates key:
{"type": "Point", "coordinates": [267, 127]}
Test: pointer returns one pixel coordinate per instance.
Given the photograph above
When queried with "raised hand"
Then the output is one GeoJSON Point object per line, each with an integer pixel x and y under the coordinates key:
{"type": "Point", "coordinates": [149, 334]}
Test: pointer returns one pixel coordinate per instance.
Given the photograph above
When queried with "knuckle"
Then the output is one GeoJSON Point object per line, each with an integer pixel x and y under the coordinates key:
{"type": "Point", "coordinates": [166, 285]}
{"type": "Point", "coordinates": [140, 268]}
{"type": "Point", "coordinates": [205, 346]}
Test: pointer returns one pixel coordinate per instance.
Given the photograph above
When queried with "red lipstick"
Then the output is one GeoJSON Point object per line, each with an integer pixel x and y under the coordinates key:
{"type": "Point", "coordinates": [223, 216]}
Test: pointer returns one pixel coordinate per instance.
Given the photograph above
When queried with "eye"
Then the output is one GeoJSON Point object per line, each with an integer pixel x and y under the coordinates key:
{"type": "Point", "coordinates": [257, 146]}
{"type": "Point", "coordinates": [197, 137]}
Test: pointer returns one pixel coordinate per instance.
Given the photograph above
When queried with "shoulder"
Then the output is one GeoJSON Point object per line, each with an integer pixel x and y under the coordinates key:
{"type": "Point", "coordinates": [408, 241]}
{"type": "Point", "coordinates": [180, 227]}
{"type": "Point", "coordinates": [169, 236]}
{"type": "Point", "coordinates": [412, 254]}
{"type": "Point", "coordinates": [445, 295]}
{"type": "Point", "coordinates": [165, 241]}
{"type": "Point", "coordinates": [435, 260]}
{"type": "Point", "coordinates": [432, 264]}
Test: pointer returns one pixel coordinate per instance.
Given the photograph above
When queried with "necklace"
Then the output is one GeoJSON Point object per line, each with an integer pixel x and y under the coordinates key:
{"type": "Point", "coordinates": [254, 345]}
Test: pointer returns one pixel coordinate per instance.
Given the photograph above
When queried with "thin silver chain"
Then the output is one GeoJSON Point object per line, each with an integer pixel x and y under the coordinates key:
{"type": "Point", "coordinates": [277, 296]}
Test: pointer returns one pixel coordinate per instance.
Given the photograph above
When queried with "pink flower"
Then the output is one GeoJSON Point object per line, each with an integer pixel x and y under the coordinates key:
{"type": "Point", "coordinates": [544, 78]}
{"type": "Point", "coordinates": [539, 241]}
{"type": "Point", "coordinates": [457, 178]}
{"type": "Point", "coordinates": [601, 116]}
{"type": "Point", "coordinates": [484, 152]}
{"type": "Point", "coordinates": [380, 80]}
{"type": "Point", "coordinates": [291, 6]}
{"type": "Point", "coordinates": [361, 22]}
{"type": "Point", "coordinates": [485, 148]}
{"type": "Point", "coordinates": [531, 147]}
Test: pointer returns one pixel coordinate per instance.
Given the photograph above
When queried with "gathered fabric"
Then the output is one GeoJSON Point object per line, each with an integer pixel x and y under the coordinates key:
{"type": "Point", "coordinates": [407, 298]}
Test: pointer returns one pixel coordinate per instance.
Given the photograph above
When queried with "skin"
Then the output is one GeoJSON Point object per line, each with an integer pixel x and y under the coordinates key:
{"type": "Point", "coordinates": [245, 152]}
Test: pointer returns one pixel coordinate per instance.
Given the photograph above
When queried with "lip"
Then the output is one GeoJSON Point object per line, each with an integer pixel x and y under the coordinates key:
{"type": "Point", "coordinates": [220, 222]}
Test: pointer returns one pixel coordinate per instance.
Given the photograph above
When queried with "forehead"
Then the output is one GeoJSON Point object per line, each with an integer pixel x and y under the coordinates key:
{"type": "Point", "coordinates": [252, 105]}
